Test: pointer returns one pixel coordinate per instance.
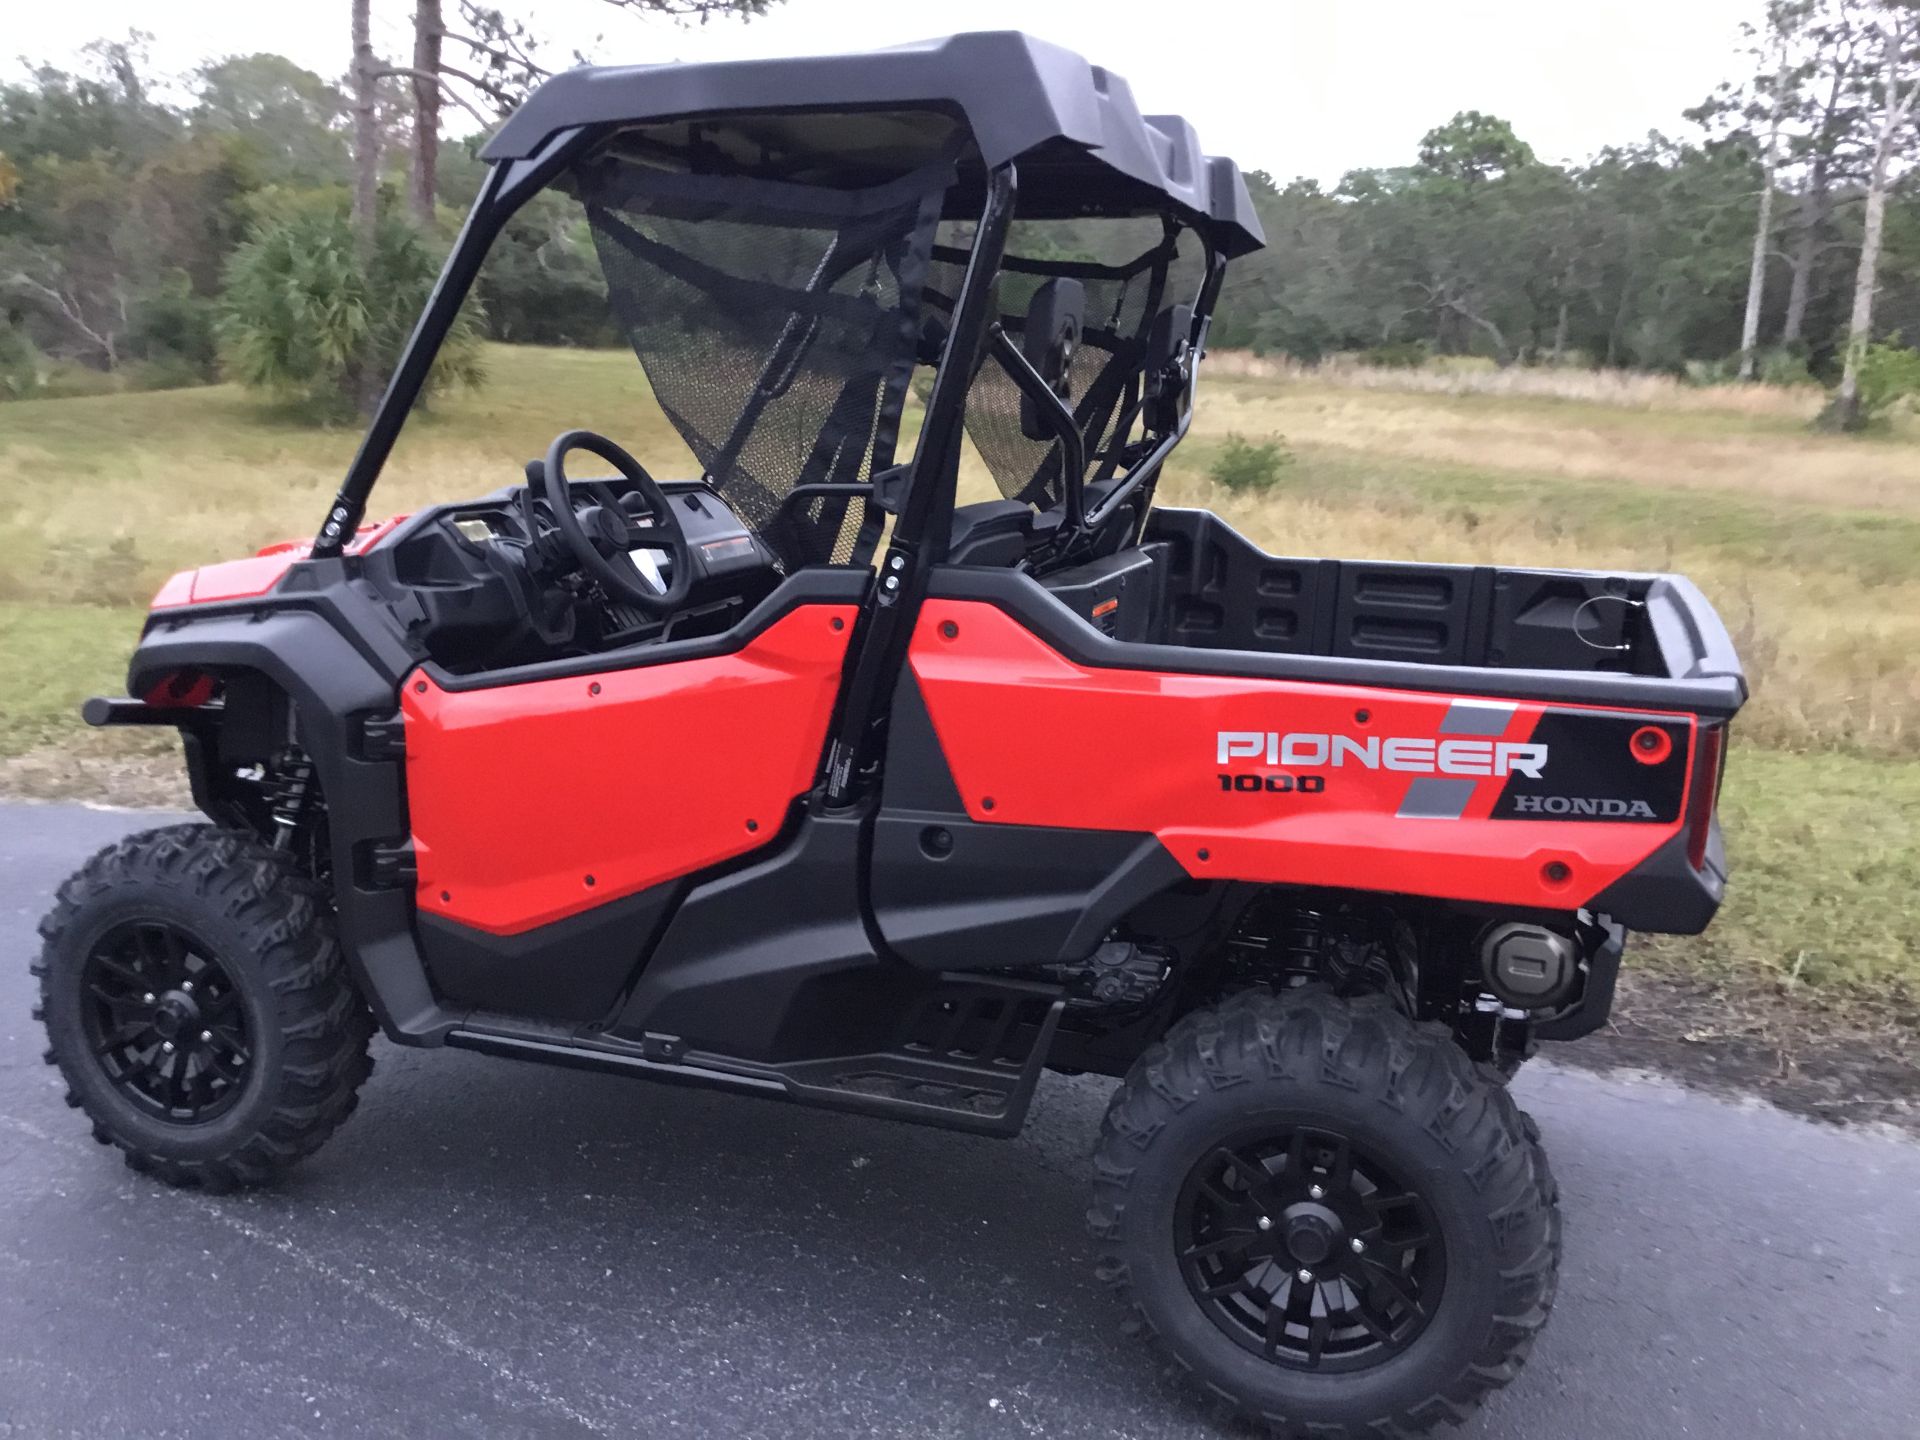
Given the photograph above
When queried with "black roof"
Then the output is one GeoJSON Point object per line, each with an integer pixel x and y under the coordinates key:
{"type": "Point", "coordinates": [1019, 95]}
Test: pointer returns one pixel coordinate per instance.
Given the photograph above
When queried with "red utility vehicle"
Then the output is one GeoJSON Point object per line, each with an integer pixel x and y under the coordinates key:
{"type": "Point", "coordinates": [796, 776]}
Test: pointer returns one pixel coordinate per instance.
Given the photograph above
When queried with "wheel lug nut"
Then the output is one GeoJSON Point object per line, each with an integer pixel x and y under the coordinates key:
{"type": "Point", "coordinates": [208, 1035]}
{"type": "Point", "coordinates": [1359, 1245]}
{"type": "Point", "coordinates": [1305, 1277]}
{"type": "Point", "coordinates": [1266, 1222]}
{"type": "Point", "coordinates": [186, 984]}
{"type": "Point", "coordinates": [147, 999]}
{"type": "Point", "coordinates": [1314, 1192]}
{"type": "Point", "coordinates": [167, 1045]}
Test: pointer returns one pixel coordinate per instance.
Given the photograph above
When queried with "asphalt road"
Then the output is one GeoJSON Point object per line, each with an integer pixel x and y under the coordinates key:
{"type": "Point", "coordinates": [499, 1250]}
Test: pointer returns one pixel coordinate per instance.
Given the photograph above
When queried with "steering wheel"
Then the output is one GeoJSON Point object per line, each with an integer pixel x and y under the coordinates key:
{"type": "Point", "coordinates": [601, 534]}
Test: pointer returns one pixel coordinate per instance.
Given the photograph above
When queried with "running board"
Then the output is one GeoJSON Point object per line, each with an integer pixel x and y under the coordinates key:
{"type": "Point", "coordinates": [919, 1085]}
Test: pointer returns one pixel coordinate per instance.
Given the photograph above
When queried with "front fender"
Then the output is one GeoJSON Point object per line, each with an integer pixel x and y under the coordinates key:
{"type": "Point", "coordinates": [334, 686]}
{"type": "Point", "coordinates": [327, 679]}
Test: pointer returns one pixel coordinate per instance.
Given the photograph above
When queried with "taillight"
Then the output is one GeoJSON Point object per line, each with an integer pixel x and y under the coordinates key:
{"type": "Point", "coordinates": [181, 689]}
{"type": "Point", "coordinates": [1709, 750]}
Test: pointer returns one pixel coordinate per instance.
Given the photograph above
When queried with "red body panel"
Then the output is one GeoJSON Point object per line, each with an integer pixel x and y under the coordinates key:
{"type": "Point", "coordinates": [256, 574]}
{"type": "Point", "coordinates": [519, 793]}
{"type": "Point", "coordinates": [1036, 739]}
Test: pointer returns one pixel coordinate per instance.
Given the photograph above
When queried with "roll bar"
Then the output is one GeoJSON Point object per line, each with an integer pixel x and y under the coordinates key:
{"type": "Point", "coordinates": [508, 186]}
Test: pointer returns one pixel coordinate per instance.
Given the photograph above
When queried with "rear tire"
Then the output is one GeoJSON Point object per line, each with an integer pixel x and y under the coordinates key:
{"type": "Point", "coordinates": [197, 1006]}
{"type": "Point", "coordinates": [1412, 1234]}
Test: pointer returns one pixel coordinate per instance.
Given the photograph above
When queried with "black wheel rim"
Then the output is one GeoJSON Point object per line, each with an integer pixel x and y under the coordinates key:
{"type": "Point", "coordinates": [1309, 1251]}
{"type": "Point", "coordinates": [164, 1022]}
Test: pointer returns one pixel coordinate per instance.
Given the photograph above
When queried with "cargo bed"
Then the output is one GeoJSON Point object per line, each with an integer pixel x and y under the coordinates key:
{"type": "Point", "coordinates": [1196, 584]}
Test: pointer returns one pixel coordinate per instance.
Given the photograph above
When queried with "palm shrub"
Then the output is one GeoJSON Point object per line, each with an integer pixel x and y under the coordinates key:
{"type": "Point", "coordinates": [305, 322]}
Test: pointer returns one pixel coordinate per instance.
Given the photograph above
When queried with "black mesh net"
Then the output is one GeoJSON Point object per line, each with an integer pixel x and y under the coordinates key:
{"type": "Point", "coordinates": [1132, 268]}
{"type": "Point", "coordinates": [777, 323]}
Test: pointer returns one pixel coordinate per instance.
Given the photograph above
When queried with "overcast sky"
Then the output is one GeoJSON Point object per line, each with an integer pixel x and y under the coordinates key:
{"type": "Point", "coordinates": [1297, 87]}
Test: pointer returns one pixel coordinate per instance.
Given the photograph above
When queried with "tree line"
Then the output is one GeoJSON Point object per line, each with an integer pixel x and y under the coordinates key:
{"type": "Point", "coordinates": [1778, 237]}
{"type": "Point", "coordinates": [259, 220]}
{"type": "Point", "coordinates": [284, 226]}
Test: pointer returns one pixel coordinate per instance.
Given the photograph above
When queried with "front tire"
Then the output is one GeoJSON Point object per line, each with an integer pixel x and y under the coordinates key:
{"type": "Point", "coordinates": [197, 1006]}
{"type": "Point", "coordinates": [1326, 1215]}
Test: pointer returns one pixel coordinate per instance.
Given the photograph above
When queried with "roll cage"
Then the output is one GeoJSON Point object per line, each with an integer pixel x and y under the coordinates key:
{"type": "Point", "coordinates": [903, 171]}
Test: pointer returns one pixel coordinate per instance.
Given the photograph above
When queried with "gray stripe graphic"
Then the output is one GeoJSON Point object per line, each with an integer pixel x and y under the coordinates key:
{"type": "Point", "coordinates": [1476, 717]}
{"type": "Point", "coordinates": [1431, 797]}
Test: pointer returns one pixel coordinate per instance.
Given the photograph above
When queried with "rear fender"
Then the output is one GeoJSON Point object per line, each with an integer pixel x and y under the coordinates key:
{"type": "Point", "coordinates": [1246, 773]}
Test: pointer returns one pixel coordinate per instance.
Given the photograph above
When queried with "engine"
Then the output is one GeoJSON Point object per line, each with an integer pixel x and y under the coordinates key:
{"type": "Point", "coordinates": [1118, 976]}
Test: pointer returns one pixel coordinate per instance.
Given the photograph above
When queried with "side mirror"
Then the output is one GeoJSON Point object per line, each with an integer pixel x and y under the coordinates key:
{"type": "Point", "coordinates": [1049, 339]}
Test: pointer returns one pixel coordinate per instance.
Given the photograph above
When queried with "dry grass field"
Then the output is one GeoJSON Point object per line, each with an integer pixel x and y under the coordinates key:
{"type": "Point", "coordinates": [1810, 546]}
{"type": "Point", "coordinates": [1464, 375]}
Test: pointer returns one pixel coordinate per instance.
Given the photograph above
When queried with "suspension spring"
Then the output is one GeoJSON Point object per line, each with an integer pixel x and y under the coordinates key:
{"type": "Point", "coordinates": [1304, 944]}
{"type": "Point", "coordinates": [291, 796]}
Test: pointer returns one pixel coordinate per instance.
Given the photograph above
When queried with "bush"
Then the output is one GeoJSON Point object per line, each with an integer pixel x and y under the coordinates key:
{"type": "Point", "coordinates": [174, 329]}
{"type": "Point", "coordinates": [304, 323]}
{"type": "Point", "coordinates": [542, 285]}
{"type": "Point", "coordinates": [1773, 365]}
{"type": "Point", "coordinates": [1462, 364]}
{"type": "Point", "coordinates": [1243, 465]}
{"type": "Point", "coordinates": [1889, 377]}
{"type": "Point", "coordinates": [169, 372]}
{"type": "Point", "coordinates": [1785, 365]}
{"type": "Point", "coordinates": [1396, 355]}
{"type": "Point", "coordinates": [70, 380]}
{"type": "Point", "coordinates": [170, 346]}
{"type": "Point", "coordinates": [19, 363]}
{"type": "Point", "coordinates": [1712, 372]}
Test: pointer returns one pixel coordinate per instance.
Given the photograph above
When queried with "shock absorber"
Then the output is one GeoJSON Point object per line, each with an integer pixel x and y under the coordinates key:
{"type": "Point", "coordinates": [1303, 945]}
{"type": "Point", "coordinates": [1343, 950]}
{"type": "Point", "coordinates": [291, 796]}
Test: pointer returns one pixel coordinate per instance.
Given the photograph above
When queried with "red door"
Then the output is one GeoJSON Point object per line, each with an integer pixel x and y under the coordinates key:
{"type": "Point", "coordinates": [536, 801]}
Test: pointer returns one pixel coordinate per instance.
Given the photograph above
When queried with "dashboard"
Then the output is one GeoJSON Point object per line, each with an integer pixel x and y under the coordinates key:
{"type": "Point", "coordinates": [488, 583]}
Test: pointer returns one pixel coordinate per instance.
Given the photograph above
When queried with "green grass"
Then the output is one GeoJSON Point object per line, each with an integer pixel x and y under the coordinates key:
{"type": "Point", "coordinates": [52, 657]}
{"type": "Point", "coordinates": [1809, 545]}
{"type": "Point", "coordinates": [1824, 850]}
{"type": "Point", "coordinates": [102, 498]}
